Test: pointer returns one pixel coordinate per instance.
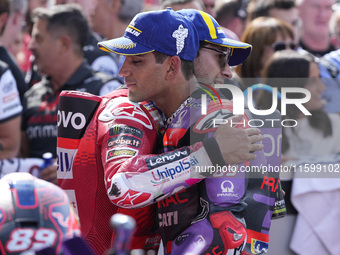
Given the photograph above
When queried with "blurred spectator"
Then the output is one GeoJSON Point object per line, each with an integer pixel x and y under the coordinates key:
{"type": "Point", "coordinates": [315, 33]}
{"type": "Point", "coordinates": [281, 9]}
{"type": "Point", "coordinates": [232, 14]}
{"type": "Point", "coordinates": [87, 6]}
{"type": "Point", "coordinates": [17, 46]}
{"type": "Point", "coordinates": [15, 21]}
{"type": "Point", "coordinates": [330, 66]}
{"type": "Point", "coordinates": [330, 73]}
{"type": "Point", "coordinates": [111, 17]}
{"type": "Point", "coordinates": [194, 4]}
{"type": "Point", "coordinates": [99, 61]}
{"type": "Point", "coordinates": [25, 54]}
{"type": "Point", "coordinates": [335, 26]}
{"type": "Point", "coordinates": [10, 114]}
{"type": "Point", "coordinates": [318, 130]}
{"type": "Point", "coordinates": [267, 35]}
{"type": "Point", "coordinates": [209, 6]}
{"type": "Point", "coordinates": [313, 138]}
{"type": "Point", "coordinates": [32, 5]}
{"type": "Point", "coordinates": [58, 36]}
{"type": "Point", "coordinates": [11, 13]}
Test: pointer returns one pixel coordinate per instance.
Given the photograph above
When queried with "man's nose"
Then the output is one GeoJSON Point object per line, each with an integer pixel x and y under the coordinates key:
{"type": "Point", "coordinates": [226, 72]}
{"type": "Point", "coordinates": [123, 71]}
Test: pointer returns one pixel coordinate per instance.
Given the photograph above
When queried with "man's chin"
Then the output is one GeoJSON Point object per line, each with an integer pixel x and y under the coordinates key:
{"type": "Point", "coordinates": [205, 81]}
{"type": "Point", "coordinates": [132, 97]}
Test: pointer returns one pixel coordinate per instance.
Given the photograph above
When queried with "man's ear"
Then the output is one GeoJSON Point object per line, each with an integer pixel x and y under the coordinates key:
{"type": "Point", "coordinates": [65, 42]}
{"type": "Point", "coordinates": [173, 67]}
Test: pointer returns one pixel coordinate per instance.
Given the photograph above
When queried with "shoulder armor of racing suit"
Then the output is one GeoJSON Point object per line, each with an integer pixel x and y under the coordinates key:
{"type": "Point", "coordinates": [123, 108]}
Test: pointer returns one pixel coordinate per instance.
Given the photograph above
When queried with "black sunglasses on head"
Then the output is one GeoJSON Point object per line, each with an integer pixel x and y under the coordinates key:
{"type": "Point", "coordinates": [278, 46]}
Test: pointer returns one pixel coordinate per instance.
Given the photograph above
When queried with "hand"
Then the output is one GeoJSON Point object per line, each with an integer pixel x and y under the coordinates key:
{"type": "Point", "coordinates": [238, 145]}
{"type": "Point", "coordinates": [50, 174]}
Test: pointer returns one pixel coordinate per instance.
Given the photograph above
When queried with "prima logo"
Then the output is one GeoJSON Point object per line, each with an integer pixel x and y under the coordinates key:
{"type": "Point", "coordinates": [227, 188]}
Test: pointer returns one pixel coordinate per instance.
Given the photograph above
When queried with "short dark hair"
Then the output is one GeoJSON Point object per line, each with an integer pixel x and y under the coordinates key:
{"type": "Point", "coordinates": [259, 8]}
{"type": "Point", "coordinates": [4, 6]}
{"type": "Point", "coordinates": [226, 11]}
{"type": "Point", "coordinates": [67, 18]}
{"type": "Point", "coordinates": [186, 66]}
{"type": "Point", "coordinates": [129, 9]}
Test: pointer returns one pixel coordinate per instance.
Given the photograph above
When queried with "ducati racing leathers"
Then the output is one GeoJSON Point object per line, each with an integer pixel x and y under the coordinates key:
{"type": "Point", "coordinates": [91, 150]}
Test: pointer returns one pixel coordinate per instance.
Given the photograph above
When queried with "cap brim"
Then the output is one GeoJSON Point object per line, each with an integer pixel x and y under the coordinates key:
{"type": "Point", "coordinates": [240, 51]}
{"type": "Point", "coordinates": [124, 46]}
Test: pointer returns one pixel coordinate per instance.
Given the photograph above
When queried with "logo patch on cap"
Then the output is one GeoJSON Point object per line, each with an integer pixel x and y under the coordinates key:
{"type": "Point", "coordinates": [180, 34]}
{"type": "Point", "coordinates": [133, 31]}
{"type": "Point", "coordinates": [131, 28]}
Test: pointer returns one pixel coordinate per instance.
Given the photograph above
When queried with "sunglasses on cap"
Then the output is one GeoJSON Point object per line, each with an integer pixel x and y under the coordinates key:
{"type": "Point", "coordinates": [278, 46]}
{"type": "Point", "coordinates": [223, 57]}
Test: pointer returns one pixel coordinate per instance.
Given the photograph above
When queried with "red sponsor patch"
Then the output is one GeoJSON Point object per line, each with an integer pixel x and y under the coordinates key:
{"type": "Point", "coordinates": [251, 234]}
{"type": "Point", "coordinates": [10, 97]}
{"type": "Point", "coordinates": [121, 152]}
{"type": "Point", "coordinates": [124, 140]}
{"type": "Point", "coordinates": [270, 183]}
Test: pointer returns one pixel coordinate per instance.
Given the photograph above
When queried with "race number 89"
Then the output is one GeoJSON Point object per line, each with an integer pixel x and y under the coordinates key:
{"type": "Point", "coordinates": [22, 239]}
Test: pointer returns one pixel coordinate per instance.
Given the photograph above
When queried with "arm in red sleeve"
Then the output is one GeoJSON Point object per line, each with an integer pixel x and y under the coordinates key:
{"type": "Point", "coordinates": [134, 177]}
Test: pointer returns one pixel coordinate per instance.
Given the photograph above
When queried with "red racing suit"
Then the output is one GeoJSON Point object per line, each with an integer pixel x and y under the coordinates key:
{"type": "Point", "coordinates": [88, 149]}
